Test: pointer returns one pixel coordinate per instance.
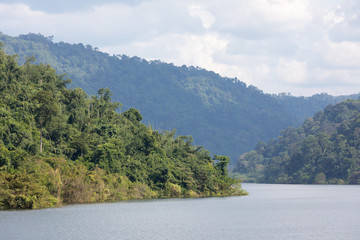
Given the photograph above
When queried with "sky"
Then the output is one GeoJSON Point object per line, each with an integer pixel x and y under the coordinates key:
{"type": "Point", "coordinates": [302, 47]}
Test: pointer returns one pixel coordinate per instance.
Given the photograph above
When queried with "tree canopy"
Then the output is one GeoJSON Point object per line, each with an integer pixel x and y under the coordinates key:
{"type": "Point", "coordinates": [58, 145]}
{"type": "Point", "coordinates": [325, 149]}
{"type": "Point", "coordinates": [222, 114]}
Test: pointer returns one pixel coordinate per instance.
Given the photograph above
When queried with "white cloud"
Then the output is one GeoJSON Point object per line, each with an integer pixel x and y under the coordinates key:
{"type": "Point", "coordinates": [292, 72]}
{"type": "Point", "coordinates": [19, 18]}
{"type": "Point", "coordinates": [298, 46]}
{"type": "Point", "coordinates": [260, 18]}
{"type": "Point", "coordinates": [102, 24]}
{"type": "Point", "coordinates": [332, 17]}
{"type": "Point", "coordinates": [343, 54]}
{"type": "Point", "coordinates": [205, 16]}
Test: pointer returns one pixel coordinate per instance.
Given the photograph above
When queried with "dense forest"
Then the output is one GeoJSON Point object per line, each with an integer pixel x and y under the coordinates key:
{"type": "Point", "coordinates": [58, 145]}
{"type": "Point", "coordinates": [324, 150]}
{"type": "Point", "coordinates": [222, 114]}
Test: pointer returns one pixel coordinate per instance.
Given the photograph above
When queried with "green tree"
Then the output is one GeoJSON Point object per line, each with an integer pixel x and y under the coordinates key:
{"type": "Point", "coordinates": [221, 163]}
{"type": "Point", "coordinates": [45, 110]}
{"type": "Point", "coordinates": [89, 152]}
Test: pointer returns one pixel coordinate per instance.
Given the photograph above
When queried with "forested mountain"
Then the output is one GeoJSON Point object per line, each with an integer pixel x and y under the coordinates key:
{"type": "Point", "coordinates": [223, 114]}
{"type": "Point", "coordinates": [59, 145]}
{"type": "Point", "coordinates": [325, 149]}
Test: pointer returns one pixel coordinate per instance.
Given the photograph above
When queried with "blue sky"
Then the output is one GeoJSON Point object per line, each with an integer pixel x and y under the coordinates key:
{"type": "Point", "coordinates": [298, 46]}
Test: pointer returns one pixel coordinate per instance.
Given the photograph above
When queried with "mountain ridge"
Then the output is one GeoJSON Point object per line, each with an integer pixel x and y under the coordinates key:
{"type": "Point", "coordinates": [222, 114]}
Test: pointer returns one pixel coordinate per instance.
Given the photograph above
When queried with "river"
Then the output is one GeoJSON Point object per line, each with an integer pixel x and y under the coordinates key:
{"type": "Point", "coordinates": [269, 212]}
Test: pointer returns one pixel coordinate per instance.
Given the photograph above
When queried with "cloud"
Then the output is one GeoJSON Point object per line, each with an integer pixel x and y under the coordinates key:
{"type": "Point", "coordinates": [205, 16]}
{"type": "Point", "coordinates": [64, 6]}
{"type": "Point", "coordinates": [259, 18]}
{"type": "Point", "coordinates": [292, 72]}
{"type": "Point", "coordinates": [104, 24]}
{"type": "Point", "coordinates": [343, 54]}
{"type": "Point", "coordinates": [190, 49]}
{"type": "Point", "coordinates": [298, 46]}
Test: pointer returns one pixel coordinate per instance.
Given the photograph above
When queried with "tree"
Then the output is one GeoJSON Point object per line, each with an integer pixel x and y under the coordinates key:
{"type": "Point", "coordinates": [221, 163]}
{"type": "Point", "coordinates": [133, 115]}
{"type": "Point", "coordinates": [90, 152]}
{"type": "Point", "coordinates": [45, 110]}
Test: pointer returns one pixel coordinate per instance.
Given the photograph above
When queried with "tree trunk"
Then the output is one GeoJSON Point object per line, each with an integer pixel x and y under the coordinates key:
{"type": "Point", "coordinates": [40, 137]}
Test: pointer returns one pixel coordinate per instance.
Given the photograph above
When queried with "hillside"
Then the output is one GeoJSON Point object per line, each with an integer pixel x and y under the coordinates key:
{"type": "Point", "coordinates": [59, 145]}
{"type": "Point", "coordinates": [223, 114]}
{"type": "Point", "coordinates": [325, 149]}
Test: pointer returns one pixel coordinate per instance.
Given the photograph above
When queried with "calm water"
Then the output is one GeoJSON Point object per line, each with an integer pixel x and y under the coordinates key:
{"type": "Point", "coordinates": [269, 212]}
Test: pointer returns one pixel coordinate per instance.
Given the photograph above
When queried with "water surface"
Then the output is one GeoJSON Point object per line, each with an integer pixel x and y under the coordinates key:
{"type": "Point", "coordinates": [269, 212]}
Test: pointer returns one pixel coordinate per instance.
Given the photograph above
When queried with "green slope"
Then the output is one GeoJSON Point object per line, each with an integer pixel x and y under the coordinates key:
{"type": "Point", "coordinates": [325, 149]}
{"type": "Point", "coordinates": [58, 145]}
{"type": "Point", "coordinates": [222, 114]}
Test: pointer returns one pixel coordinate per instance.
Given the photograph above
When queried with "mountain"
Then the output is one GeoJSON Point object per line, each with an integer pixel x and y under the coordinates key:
{"type": "Point", "coordinates": [58, 145]}
{"type": "Point", "coordinates": [222, 114]}
{"type": "Point", "coordinates": [325, 149]}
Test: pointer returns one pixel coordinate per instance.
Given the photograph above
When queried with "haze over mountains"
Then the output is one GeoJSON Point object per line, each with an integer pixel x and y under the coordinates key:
{"type": "Point", "coordinates": [222, 114]}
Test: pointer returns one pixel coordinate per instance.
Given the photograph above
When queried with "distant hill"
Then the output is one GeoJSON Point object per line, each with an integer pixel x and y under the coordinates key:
{"type": "Point", "coordinates": [222, 114]}
{"type": "Point", "coordinates": [325, 149]}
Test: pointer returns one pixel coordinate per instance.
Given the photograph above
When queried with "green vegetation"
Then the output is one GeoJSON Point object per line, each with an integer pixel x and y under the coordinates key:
{"type": "Point", "coordinates": [324, 150]}
{"type": "Point", "coordinates": [223, 114]}
{"type": "Point", "coordinates": [58, 145]}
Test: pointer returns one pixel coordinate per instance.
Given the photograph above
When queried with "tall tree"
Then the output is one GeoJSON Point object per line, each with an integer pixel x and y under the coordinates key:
{"type": "Point", "coordinates": [45, 110]}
